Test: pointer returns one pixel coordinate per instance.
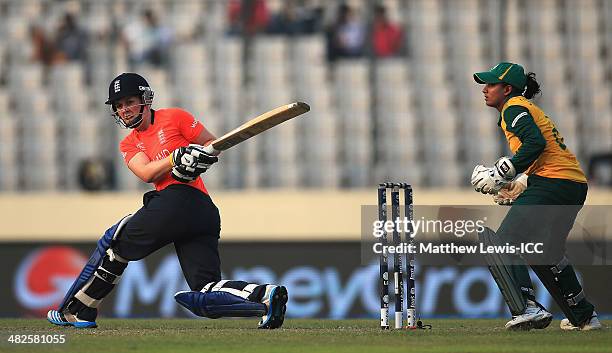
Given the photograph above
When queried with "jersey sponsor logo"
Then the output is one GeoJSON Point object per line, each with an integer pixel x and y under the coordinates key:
{"type": "Point", "coordinates": [354, 294]}
{"type": "Point", "coordinates": [45, 275]}
{"type": "Point", "coordinates": [194, 124]}
{"type": "Point", "coordinates": [163, 154]}
{"type": "Point", "coordinates": [117, 86]}
{"type": "Point", "coordinates": [141, 146]}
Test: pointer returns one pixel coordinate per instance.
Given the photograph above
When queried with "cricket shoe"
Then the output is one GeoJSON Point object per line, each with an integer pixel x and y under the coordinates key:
{"type": "Point", "coordinates": [275, 299]}
{"type": "Point", "coordinates": [57, 318]}
{"type": "Point", "coordinates": [591, 324]}
{"type": "Point", "coordinates": [534, 316]}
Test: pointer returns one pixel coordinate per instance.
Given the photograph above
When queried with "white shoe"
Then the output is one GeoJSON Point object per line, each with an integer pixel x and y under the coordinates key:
{"type": "Point", "coordinates": [533, 317]}
{"type": "Point", "coordinates": [592, 324]}
{"type": "Point", "coordinates": [275, 299]}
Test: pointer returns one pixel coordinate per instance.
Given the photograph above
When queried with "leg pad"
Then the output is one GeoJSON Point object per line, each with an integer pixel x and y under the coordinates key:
{"type": "Point", "coordinates": [219, 304]}
{"type": "Point", "coordinates": [502, 274]}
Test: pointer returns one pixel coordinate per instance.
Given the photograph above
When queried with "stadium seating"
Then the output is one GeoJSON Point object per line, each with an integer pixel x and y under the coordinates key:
{"type": "Point", "coordinates": [398, 118]}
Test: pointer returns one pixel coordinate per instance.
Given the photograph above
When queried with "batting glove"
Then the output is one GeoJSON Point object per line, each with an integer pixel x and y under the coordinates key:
{"type": "Point", "coordinates": [491, 180]}
{"type": "Point", "coordinates": [189, 162]}
{"type": "Point", "coordinates": [203, 159]}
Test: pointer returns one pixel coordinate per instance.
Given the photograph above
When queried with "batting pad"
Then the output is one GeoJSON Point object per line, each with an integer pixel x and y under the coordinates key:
{"type": "Point", "coordinates": [94, 261]}
{"type": "Point", "coordinates": [219, 304]}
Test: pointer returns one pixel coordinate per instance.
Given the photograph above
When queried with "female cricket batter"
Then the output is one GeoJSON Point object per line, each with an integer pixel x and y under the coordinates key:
{"type": "Point", "coordinates": [165, 147]}
{"type": "Point", "coordinates": [552, 176]}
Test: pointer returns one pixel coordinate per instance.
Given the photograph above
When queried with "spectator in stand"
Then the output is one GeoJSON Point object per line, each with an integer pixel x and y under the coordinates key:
{"type": "Point", "coordinates": [296, 18]}
{"type": "Point", "coordinates": [313, 21]}
{"type": "Point", "coordinates": [346, 36]}
{"type": "Point", "coordinates": [162, 40]}
{"type": "Point", "coordinates": [147, 41]}
{"type": "Point", "coordinates": [387, 37]}
{"type": "Point", "coordinates": [600, 165]}
{"type": "Point", "coordinates": [43, 49]}
{"type": "Point", "coordinates": [70, 40]}
{"type": "Point", "coordinates": [287, 21]}
{"type": "Point", "coordinates": [257, 16]}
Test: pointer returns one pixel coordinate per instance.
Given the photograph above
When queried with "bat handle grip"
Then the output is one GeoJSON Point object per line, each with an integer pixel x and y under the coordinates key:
{"type": "Point", "coordinates": [211, 150]}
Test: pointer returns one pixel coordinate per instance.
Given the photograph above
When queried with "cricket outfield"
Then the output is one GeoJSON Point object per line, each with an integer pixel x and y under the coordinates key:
{"type": "Point", "coordinates": [194, 335]}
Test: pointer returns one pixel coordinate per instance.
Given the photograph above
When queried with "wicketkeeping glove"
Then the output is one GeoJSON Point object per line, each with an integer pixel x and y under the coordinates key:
{"type": "Point", "coordinates": [189, 162]}
{"type": "Point", "coordinates": [491, 180]}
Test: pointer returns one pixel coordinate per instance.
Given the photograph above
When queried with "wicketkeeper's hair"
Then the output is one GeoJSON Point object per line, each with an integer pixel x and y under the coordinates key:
{"type": "Point", "coordinates": [533, 87]}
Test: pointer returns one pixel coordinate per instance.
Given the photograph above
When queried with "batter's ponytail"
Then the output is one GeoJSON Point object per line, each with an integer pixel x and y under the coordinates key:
{"type": "Point", "coordinates": [533, 87]}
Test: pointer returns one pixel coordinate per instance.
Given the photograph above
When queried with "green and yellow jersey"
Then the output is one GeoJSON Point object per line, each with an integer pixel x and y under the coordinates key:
{"type": "Point", "coordinates": [536, 143]}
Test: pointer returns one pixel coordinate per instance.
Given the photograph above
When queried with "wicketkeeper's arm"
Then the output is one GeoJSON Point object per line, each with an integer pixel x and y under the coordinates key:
{"type": "Point", "coordinates": [521, 123]}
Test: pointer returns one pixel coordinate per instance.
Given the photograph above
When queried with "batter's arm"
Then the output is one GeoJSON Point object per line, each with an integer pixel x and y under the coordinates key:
{"type": "Point", "coordinates": [147, 170]}
{"type": "Point", "coordinates": [204, 138]}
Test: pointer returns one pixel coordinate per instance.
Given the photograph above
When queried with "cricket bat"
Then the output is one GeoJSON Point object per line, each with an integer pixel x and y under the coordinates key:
{"type": "Point", "coordinates": [256, 126]}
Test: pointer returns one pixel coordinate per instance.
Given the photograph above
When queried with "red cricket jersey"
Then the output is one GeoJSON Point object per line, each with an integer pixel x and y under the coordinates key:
{"type": "Point", "coordinates": [171, 128]}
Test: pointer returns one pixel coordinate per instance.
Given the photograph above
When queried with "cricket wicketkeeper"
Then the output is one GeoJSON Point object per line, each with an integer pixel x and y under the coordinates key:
{"type": "Point", "coordinates": [166, 148]}
{"type": "Point", "coordinates": [545, 200]}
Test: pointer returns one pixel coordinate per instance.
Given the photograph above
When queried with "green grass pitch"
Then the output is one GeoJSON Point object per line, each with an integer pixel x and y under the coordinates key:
{"type": "Point", "coordinates": [351, 336]}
